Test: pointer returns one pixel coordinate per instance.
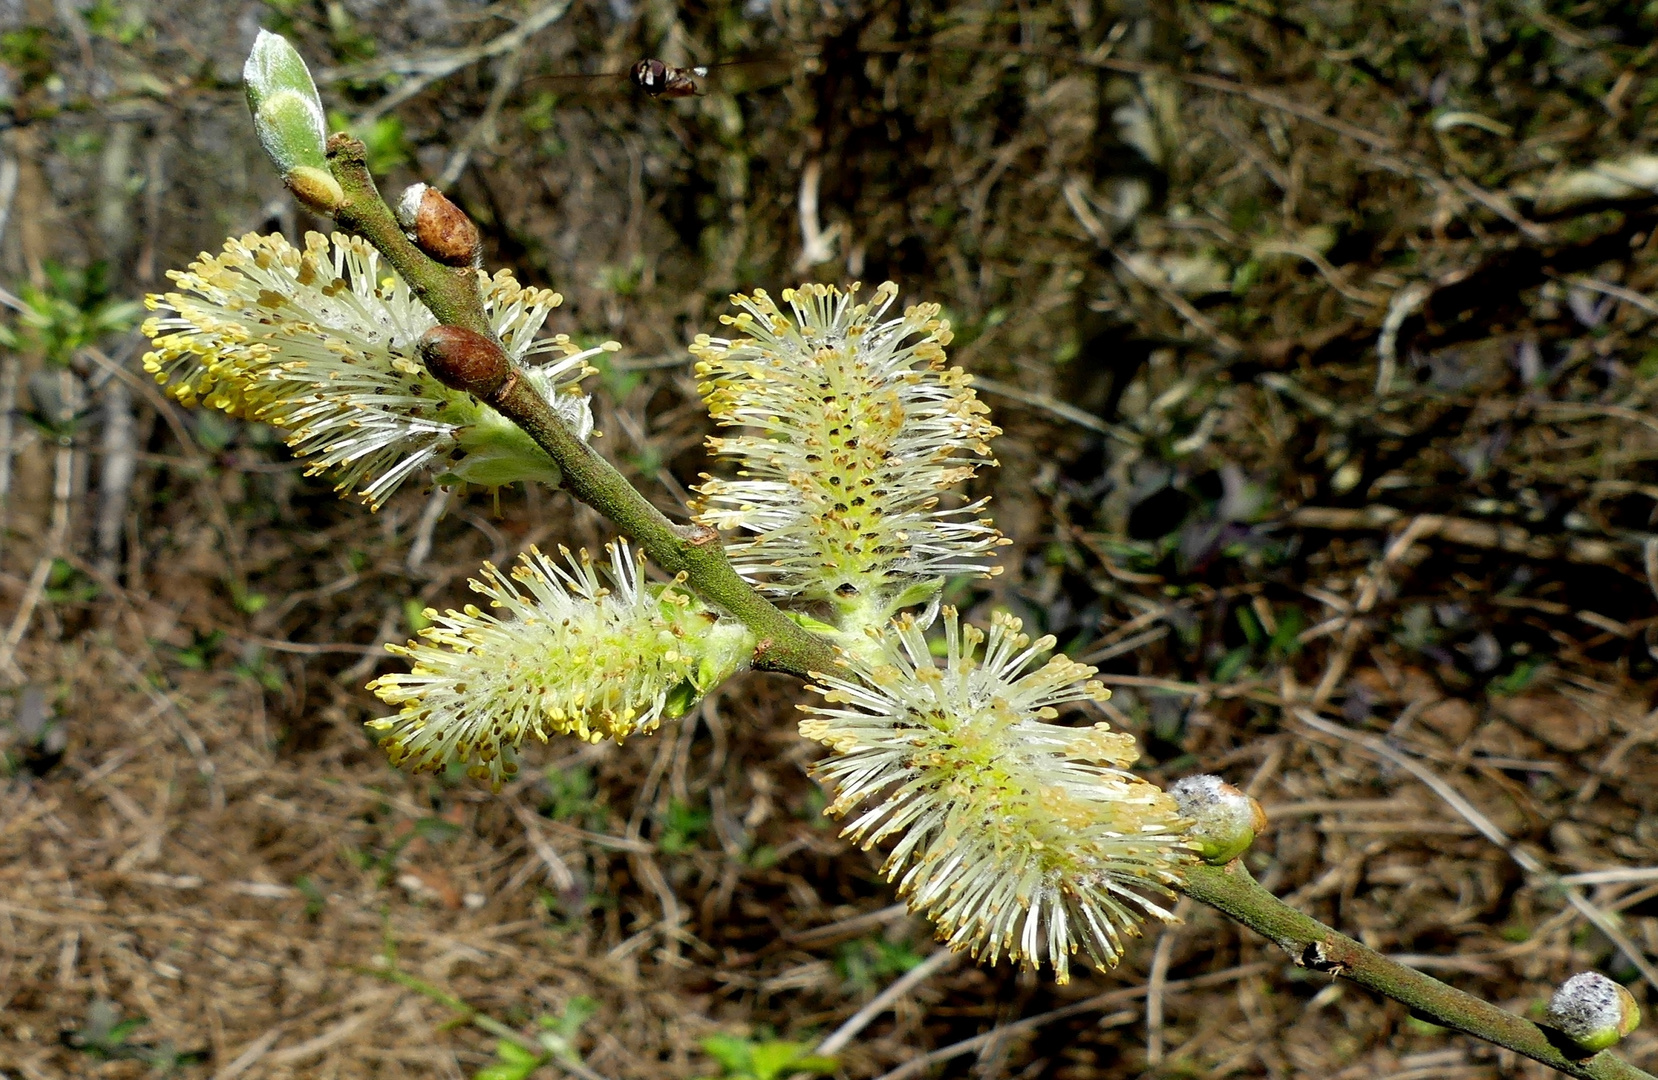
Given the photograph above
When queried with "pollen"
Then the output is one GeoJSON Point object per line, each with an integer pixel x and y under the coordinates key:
{"type": "Point", "coordinates": [852, 430]}
{"type": "Point", "coordinates": [320, 342]}
{"type": "Point", "coordinates": [567, 655]}
{"type": "Point", "coordinates": [1019, 837]}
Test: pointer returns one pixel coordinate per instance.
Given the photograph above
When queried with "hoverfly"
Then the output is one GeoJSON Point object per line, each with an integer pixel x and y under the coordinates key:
{"type": "Point", "coordinates": [660, 80]}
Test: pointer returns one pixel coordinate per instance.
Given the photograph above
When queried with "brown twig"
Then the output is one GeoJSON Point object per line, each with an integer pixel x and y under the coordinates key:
{"type": "Point", "coordinates": [424, 69]}
{"type": "Point", "coordinates": [841, 1036]}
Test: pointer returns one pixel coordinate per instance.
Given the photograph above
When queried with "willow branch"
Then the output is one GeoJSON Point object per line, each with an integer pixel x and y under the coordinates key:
{"type": "Point", "coordinates": [450, 293]}
{"type": "Point", "coordinates": [1311, 944]}
{"type": "Point", "coordinates": [692, 550]}
{"type": "Point", "coordinates": [453, 297]}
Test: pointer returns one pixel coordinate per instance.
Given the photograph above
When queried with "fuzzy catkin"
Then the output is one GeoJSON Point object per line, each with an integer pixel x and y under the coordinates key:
{"type": "Point", "coordinates": [321, 342]}
{"type": "Point", "coordinates": [857, 435]}
{"type": "Point", "coordinates": [1018, 836]}
{"type": "Point", "coordinates": [568, 655]}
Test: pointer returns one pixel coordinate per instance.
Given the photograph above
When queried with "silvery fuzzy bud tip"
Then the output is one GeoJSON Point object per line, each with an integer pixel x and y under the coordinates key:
{"type": "Point", "coordinates": [1593, 1011]}
{"type": "Point", "coordinates": [408, 205]}
{"type": "Point", "coordinates": [1224, 819]}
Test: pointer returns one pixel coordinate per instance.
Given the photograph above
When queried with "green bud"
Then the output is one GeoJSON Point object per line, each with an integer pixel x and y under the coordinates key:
{"type": "Point", "coordinates": [727, 649]}
{"type": "Point", "coordinates": [316, 188]}
{"type": "Point", "coordinates": [1593, 1011]}
{"type": "Point", "coordinates": [287, 111]}
{"type": "Point", "coordinates": [1224, 819]}
{"type": "Point", "coordinates": [680, 699]}
{"type": "Point", "coordinates": [816, 626]}
{"type": "Point", "coordinates": [497, 453]}
{"type": "Point", "coordinates": [724, 649]}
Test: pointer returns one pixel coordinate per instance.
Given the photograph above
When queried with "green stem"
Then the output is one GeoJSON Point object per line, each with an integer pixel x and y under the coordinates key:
{"type": "Point", "coordinates": [692, 550]}
{"type": "Point", "coordinates": [1310, 943]}
{"type": "Point", "coordinates": [453, 297]}
{"type": "Point", "coordinates": [450, 293]}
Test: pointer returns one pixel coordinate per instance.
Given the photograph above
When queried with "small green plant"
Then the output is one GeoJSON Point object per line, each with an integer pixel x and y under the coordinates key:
{"type": "Point", "coordinates": [107, 19]}
{"type": "Point", "coordinates": [28, 51]}
{"type": "Point", "coordinates": [683, 828]}
{"type": "Point", "coordinates": [384, 864]}
{"type": "Point", "coordinates": [567, 794]}
{"type": "Point", "coordinates": [873, 961]}
{"type": "Point", "coordinates": [622, 279]}
{"type": "Point", "coordinates": [258, 668]}
{"type": "Point", "coordinates": [199, 654]}
{"type": "Point", "coordinates": [104, 1035]}
{"type": "Point", "coordinates": [746, 1059]}
{"type": "Point", "coordinates": [555, 1039]}
{"type": "Point", "coordinates": [72, 311]}
{"type": "Point", "coordinates": [67, 585]}
{"type": "Point", "coordinates": [517, 1056]}
{"type": "Point", "coordinates": [315, 901]}
{"type": "Point", "coordinates": [1516, 680]}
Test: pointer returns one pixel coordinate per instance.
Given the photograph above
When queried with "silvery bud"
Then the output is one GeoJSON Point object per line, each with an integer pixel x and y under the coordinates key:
{"type": "Point", "coordinates": [1224, 819]}
{"type": "Point", "coordinates": [1593, 1011]}
{"type": "Point", "coordinates": [288, 117]}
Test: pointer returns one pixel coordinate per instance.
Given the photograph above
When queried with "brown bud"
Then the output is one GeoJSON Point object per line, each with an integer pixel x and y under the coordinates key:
{"type": "Point", "coordinates": [465, 360]}
{"type": "Point", "coordinates": [437, 226]}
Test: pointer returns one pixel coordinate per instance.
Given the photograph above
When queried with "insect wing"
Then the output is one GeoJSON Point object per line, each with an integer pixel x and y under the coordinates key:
{"type": "Point", "coordinates": [747, 76]}
{"type": "Point", "coordinates": [577, 86]}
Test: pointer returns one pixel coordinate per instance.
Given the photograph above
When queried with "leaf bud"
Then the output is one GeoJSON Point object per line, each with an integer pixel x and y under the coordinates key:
{"type": "Point", "coordinates": [465, 360]}
{"type": "Point", "coordinates": [1224, 819]}
{"type": "Point", "coordinates": [438, 227]}
{"type": "Point", "coordinates": [288, 117]}
{"type": "Point", "coordinates": [1593, 1011]}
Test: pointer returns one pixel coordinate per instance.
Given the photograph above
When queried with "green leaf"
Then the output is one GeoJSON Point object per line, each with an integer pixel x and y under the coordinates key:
{"type": "Point", "coordinates": [577, 1011]}
{"type": "Point", "coordinates": [730, 1051]}
{"type": "Point", "coordinates": [769, 1059]}
{"type": "Point", "coordinates": [1232, 663]}
{"type": "Point", "coordinates": [511, 1052]}
{"type": "Point", "coordinates": [512, 1062]}
{"type": "Point", "coordinates": [779, 1057]}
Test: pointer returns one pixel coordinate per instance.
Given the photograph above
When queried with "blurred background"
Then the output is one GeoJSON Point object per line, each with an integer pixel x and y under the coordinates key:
{"type": "Point", "coordinates": [1321, 335]}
